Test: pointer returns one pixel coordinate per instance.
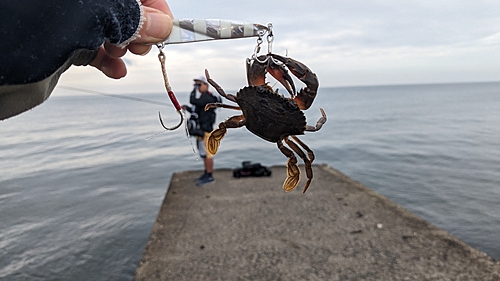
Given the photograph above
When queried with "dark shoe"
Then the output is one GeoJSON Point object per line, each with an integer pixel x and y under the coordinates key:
{"type": "Point", "coordinates": [205, 180]}
{"type": "Point", "coordinates": [201, 177]}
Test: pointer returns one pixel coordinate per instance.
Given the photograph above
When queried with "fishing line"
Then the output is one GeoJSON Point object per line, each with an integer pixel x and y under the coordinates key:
{"type": "Point", "coordinates": [133, 99]}
{"type": "Point", "coordinates": [121, 97]}
{"type": "Point", "coordinates": [115, 96]}
{"type": "Point", "coordinates": [189, 137]}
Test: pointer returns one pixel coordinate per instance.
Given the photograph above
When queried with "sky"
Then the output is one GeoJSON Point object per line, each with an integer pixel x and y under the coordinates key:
{"type": "Point", "coordinates": [346, 43]}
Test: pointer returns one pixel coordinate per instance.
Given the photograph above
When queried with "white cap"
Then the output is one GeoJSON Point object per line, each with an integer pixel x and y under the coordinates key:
{"type": "Point", "coordinates": [201, 79]}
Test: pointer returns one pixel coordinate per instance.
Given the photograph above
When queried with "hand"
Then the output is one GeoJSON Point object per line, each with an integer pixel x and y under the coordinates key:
{"type": "Point", "coordinates": [157, 27]}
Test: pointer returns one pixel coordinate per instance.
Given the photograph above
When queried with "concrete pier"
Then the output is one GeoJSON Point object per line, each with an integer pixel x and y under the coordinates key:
{"type": "Point", "coordinates": [250, 229]}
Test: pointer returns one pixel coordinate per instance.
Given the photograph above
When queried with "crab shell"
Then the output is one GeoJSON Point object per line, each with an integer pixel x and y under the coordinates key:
{"type": "Point", "coordinates": [270, 115]}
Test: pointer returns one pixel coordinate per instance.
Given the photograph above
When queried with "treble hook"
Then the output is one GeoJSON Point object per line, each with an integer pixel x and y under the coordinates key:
{"type": "Point", "coordinates": [171, 94]}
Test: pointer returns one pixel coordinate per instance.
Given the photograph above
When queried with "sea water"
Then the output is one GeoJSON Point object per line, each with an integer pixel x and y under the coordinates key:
{"type": "Point", "coordinates": [81, 182]}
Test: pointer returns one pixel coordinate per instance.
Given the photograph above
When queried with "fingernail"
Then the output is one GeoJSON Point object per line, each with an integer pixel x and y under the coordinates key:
{"type": "Point", "coordinates": [158, 25]}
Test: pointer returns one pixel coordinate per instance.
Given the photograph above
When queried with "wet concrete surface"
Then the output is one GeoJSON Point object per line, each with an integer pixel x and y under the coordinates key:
{"type": "Point", "coordinates": [250, 229]}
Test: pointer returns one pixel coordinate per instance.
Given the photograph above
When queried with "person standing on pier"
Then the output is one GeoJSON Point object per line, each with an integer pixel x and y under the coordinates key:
{"type": "Point", "coordinates": [205, 122]}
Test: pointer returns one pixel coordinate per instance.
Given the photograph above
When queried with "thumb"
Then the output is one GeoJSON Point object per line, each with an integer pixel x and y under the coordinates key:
{"type": "Point", "coordinates": [156, 27]}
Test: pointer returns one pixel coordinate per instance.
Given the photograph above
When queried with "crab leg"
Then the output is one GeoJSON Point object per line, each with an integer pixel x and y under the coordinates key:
{"type": "Point", "coordinates": [292, 170]}
{"type": "Point", "coordinates": [310, 153]}
{"type": "Point", "coordinates": [319, 124]}
{"type": "Point", "coordinates": [213, 141]}
{"type": "Point", "coordinates": [218, 104]}
{"type": "Point", "coordinates": [219, 88]}
{"type": "Point", "coordinates": [307, 162]}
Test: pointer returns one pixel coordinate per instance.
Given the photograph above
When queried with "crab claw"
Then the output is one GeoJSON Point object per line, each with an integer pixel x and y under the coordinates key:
{"type": "Point", "coordinates": [256, 71]}
{"type": "Point", "coordinates": [305, 96]}
{"type": "Point", "coordinates": [257, 68]}
{"type": "Point", "coordinates": [278, 71]}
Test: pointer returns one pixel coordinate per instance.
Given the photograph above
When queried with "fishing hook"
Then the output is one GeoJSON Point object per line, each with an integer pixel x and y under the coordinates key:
{"type": "Point", "coordinates": [173, 128]}
{"type": "Point", "coordinates": [171, 95]}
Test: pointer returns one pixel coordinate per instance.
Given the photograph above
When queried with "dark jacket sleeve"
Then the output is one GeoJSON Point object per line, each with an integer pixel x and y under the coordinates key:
{"type": "Point", "coordinates": [42, 38]}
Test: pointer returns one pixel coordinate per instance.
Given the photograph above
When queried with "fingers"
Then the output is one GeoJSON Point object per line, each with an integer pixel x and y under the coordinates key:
{"type": "Point", "coordinates": [159, 5]}
{"type": "Point", "coordinates": [156, 27]}
{"type": "Point", "coordinates": [114, 51]}
{"type": "Point", "coordinates": [113, 67]}
{"type": "Point", "coordinates": [139, 49]}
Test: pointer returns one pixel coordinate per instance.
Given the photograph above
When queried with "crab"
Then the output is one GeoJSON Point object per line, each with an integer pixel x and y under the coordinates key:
{"type": "Point", "coordinates": [270, 115]}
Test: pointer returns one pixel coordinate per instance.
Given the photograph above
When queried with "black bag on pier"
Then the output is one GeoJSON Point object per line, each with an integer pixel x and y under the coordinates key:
{"type": "Point", "coordinates": [251, 170]}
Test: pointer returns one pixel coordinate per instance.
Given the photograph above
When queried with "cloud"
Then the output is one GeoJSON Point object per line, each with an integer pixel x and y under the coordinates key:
{"type": "Point", "coordinates": [344, 42]}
